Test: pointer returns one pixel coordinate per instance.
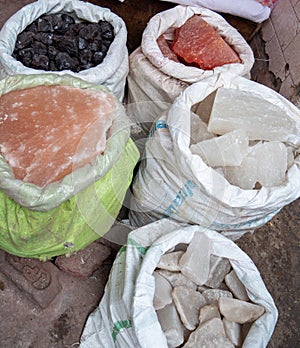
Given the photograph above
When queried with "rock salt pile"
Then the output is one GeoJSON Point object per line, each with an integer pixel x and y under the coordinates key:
{"type": "Point", "coordinates": [252, 148]}
{"type": "Point", "coordinates": [199, 300]}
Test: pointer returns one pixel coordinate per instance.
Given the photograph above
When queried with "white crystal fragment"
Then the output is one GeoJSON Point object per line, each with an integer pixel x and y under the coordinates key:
{"type": "Point", "coordinates": [226, 150]}
{"type": "Point", "coordinates": [171, 325]}
{"type": "Point", "coordinates": [271, 158]}
{"type": "Point", "coordinates": [233, 331]}
{"type": "Point", "coordinates": [239, 311]}
{"type": "Point", "coordinates": [199, 130]}
{"type": "Point", "coordinates": [194, 263]}
{"type": "Point", "coordinates": [243, 176]}
{"type": "Point", "coordinates": [188, 303]}
{"type": "Point", "coordinates": [218, 268]}
{"type": "Point", "coordinates": [177, 279]}
{"type": "Point", "coordinates": [169, 261]}
{"type": "Point", "coordinates": [163, 291]}
{"type": "Point", "coordinates": [208, 312]}
{"type": "Point", "coordinates": [266, 164]}
{"type": "Point", "coordinates": [236, 286]}
{"type": "Point", "coordinates": [213, 295]}
{"type": "Point", "coordinates": [261, 120]}
{"type": "Point", "coordinates": [210, 334]}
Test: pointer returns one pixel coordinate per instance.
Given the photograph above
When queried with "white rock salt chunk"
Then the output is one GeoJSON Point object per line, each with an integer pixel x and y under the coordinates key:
{"type": "Point", "coordinates": [188, 303]}
{"type": "Point", "coordinates": [194, 263]}
{"type": "Point", "coordinates": [213, 295]}
{"type": "Point", "coordinates": [239, 311]}
{"type": "Point", "coordinates": [209, 312]}
{"type": "Point", "coordinates": [226, 150]}
{"type": "Point", "coordinates": [236, 286]}
{"type": "Point", "coordinates": [163, 291]}
{"type": "Point", "coordinates": [170, 261]}
{"type": "Point", "coordinates": [199, 130]}
{"type": "Point", "coordinates": [271, 163]}
{"type": "Point", "coordinates": [243, 176]}
{"type": "Point", "coordinates": [218, 268]}
{"type": "Point", "coordinates": [171, 325]}
{"type": "Point", "coordinates": [210, 334]}
{"type": "Point", "coordinates": [177, 279]}
{"type": "Point", "coordinates": [233, 331]}
{"type": "Point", "coordinates": [262, 120]}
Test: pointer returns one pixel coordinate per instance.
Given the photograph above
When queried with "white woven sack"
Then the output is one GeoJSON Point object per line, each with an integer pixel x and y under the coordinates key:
{"type": "Point", "coordinates": [172, 181]}
{"type": "Point", "coordinates": [158, 80]}
{"type": "Point", "coordinates": [112, 72]}
{"type": "Point", "coordinates": [249, 9]}
{"type": "Point", "coordinates": [126, 316]}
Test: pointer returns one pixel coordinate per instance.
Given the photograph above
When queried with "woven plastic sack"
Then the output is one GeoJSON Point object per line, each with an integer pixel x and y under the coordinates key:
{"type": "Point", "coordinates": [157, 80]}
{"type": "Point", "coordinates": [173, 182]}
{"type": "Point", "coordinates": [253, 10]}
{"type": "Point", "coordinates": [69, 214]}
{"type": "Point", "coordinates": [126, 317]}
{"type": "Point", "coordinates": [112, 72]}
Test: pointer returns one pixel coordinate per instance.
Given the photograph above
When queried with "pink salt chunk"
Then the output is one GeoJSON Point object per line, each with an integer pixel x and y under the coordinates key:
{"type": "Point", "coordinates": [48, 131]}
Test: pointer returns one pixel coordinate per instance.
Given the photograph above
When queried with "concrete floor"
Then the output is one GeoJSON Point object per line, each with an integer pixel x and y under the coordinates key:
{"type": "Point", "coordinates": [56, 318]}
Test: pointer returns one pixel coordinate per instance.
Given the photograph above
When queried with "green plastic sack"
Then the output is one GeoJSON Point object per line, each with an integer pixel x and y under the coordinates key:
{"type": "Point", "coordinates": [67, 215]}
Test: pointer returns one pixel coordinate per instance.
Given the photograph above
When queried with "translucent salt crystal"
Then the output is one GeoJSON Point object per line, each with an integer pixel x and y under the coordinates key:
{"type": "Point", "coordinates": [170, 261]}
{"type": "Point", "coordinates": [194, 263]}
{"type": "Point", "coordinates": [212, 295]}
{"type": "Point", "coordinates": [199, 130]}
{"type": "Point", "coordinates": [262, 120]}
{"type": "Point", "coordinates": [236, 286]}
{"type": "Point", "coordinates": [239, 311]}
{"type": "Point", "coordinates": [226, 150]}
{"type": "Point", "coordinates": [210, 334]}
{"type": "Point", "coordinates": [271, 163]}
{"type": "Point", "coordinates": [177, 279]}
{"type": "Point", "coordinates": [209, 312]}
{"type": "Point", "coordinates": [171, 325]}
{"type": "Point", "coordinates": [163, 291]}
{"type": "Point", "coordinates": [233, 331]}
{"type": "Point", "coordinates": [266, 164]}
{"type": "Point", "coordinates": [243, 176]}
{"type": "Point", "coordinates": [188, 303]}
{"type": "Point", "coordinates": [218, 268]}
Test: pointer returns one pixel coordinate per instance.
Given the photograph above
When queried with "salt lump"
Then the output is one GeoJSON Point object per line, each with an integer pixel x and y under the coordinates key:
{"type": "Point", "coordinates": [171, 325]}
{"type": "Point", "coordinates": [261, 120]}
{"type": "Point", "coordinates": [188, 303]}
{"type": "Point", "coordinates": [163, 292]}
{"type": "Point", "coordinates": [43, 130]}
{"type": "Point", "coordinates": [226, 150]}
{"type": "Point", "coordinates": [265, 164]}
{"type": "Point", "coordinates": [206, 313]}
{"type": "Point", "coordinates": [195, 261]}
{"type": "Point", "coordinates": [239, 311]}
